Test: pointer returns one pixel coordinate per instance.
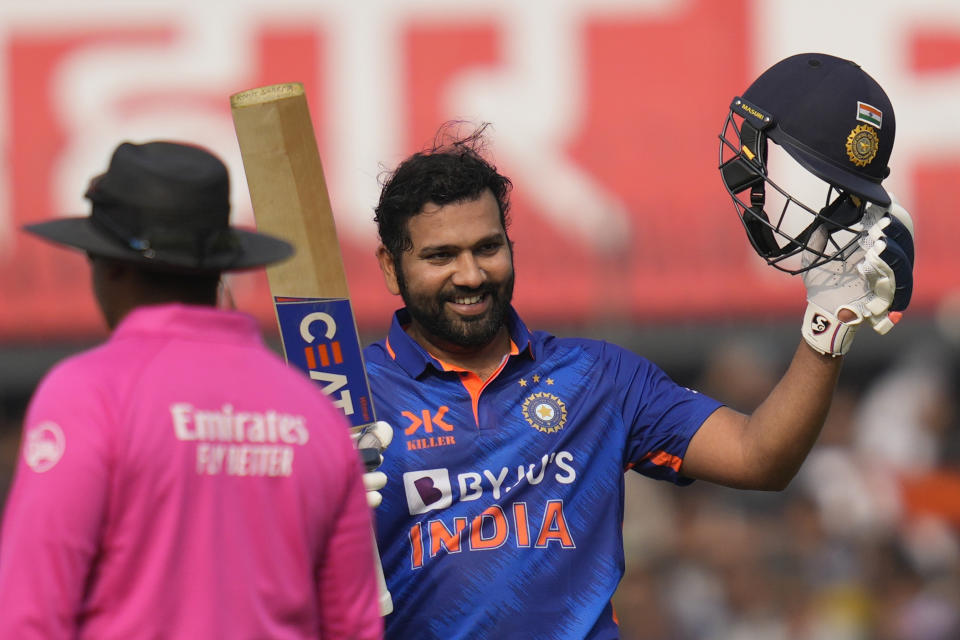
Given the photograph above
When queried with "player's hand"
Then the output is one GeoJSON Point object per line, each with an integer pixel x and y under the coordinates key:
{"type": "Point", "coordinates": [873, 283]}
{"type": "Point", "coordinates": [370, 442]}
{"type": "Point", "coordinates": [888, 264]}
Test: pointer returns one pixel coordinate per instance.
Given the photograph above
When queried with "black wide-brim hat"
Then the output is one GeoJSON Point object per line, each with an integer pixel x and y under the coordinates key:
{"type": "Point", "coordinates": [166, 206]}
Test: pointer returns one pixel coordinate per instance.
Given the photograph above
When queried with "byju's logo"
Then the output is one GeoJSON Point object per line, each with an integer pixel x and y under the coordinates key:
{"type": "Point", "coordinates": [427, 490]}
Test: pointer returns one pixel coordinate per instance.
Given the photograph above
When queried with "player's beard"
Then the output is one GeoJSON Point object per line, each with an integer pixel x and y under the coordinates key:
{"type": "Point", "coordinates": [430, 312]}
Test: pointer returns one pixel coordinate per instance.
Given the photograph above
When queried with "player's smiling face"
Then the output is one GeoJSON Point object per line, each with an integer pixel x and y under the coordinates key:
{"type": "Point", "coordinates": [457, 281]}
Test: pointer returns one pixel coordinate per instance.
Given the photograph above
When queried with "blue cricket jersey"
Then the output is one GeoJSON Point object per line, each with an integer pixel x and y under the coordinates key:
{"type": "Point", "coordinates": [503, 513]}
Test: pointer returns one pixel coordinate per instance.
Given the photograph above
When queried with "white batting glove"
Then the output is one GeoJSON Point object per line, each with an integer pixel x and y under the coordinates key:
{"type": "Point", "coordinates": [373, 439]}
{"type": "Point", "coordinates": [874, 282]}
{"type": "Point", "coordinates": [888, 264]}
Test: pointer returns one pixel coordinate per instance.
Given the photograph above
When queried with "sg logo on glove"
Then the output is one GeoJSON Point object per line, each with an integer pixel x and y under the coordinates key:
{"type": "Point", "coordinates": [819, 324]}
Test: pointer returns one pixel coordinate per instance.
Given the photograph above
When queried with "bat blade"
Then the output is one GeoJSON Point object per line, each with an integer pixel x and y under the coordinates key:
{"type": "Point", "coordinates": [311, 297]}
{"type": "Point", "coordinates": [287, 189]}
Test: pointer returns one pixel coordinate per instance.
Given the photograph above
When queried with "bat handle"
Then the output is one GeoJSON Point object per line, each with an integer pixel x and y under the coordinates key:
{"type": "Point", "coordinates": [370, 457]}
{"type": "Point", "coordinates": [371, 460]}
{"type": "Point", "coordinates": [386, 601]}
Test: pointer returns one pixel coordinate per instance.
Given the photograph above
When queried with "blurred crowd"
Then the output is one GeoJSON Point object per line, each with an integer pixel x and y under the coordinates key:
{"type": "Point", "coordinates": [863, 545]}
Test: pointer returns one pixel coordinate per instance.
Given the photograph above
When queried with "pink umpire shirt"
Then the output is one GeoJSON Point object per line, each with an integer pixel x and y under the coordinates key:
{"type": "Point", "coordinates": [180, 481]}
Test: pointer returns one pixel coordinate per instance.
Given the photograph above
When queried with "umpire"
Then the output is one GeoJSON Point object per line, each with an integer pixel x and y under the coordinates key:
{"type": "Point", "coordinates": [180, 481]}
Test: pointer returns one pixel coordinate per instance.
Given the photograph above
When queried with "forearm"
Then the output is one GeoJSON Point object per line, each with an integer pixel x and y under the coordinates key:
{"type": "Point", "coordinates": [765, 450]}
{"type": "Point", "coordinates": [780, 433]}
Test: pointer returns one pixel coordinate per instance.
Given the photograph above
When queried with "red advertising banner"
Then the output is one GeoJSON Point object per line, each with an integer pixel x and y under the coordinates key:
{"type": "Point", "coordinates": [605, 117]}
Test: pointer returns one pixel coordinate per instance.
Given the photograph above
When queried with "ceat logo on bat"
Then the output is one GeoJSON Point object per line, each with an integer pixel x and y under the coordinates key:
{"type": "Point", "coordinates": [320, 338]}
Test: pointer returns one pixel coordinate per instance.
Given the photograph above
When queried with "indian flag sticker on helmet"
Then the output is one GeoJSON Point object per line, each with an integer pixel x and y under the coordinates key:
{"type": "Point", "coordinates": [869, 114]}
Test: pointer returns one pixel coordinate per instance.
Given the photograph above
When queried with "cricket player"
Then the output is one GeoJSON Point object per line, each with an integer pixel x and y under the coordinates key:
{"type": "Point", "coordinates": [503, 511]}
{"type": "Point", "coordinates": [180, 481]}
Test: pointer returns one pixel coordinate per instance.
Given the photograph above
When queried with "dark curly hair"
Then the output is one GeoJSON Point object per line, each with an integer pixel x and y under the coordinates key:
{"type": "Point", "coordinates": [452, 170]}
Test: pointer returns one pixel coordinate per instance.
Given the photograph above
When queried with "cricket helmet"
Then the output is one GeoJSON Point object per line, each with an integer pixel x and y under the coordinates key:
{"type": "Point", "coordinates": [836, 123]}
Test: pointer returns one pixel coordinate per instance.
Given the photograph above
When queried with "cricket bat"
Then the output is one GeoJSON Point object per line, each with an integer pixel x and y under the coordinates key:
{"type": "Point", "coordinates": [311, 298]}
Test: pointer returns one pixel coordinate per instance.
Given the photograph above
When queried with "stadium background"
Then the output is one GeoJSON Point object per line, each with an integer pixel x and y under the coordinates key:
{"type": "Point", "coordinates": [605, 113]}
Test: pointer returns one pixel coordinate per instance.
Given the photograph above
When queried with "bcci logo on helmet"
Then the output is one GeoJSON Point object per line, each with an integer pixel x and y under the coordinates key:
{"type": "Point", "coordinates": [545, 412]}
{"type": "Point", "coordinates": [862, 145]}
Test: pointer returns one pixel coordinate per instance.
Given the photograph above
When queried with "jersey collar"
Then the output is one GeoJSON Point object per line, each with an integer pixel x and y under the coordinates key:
{"type": "Point", "coordinates": [414, 359]}
{"type": "Point", "coordinates": [198, 322]}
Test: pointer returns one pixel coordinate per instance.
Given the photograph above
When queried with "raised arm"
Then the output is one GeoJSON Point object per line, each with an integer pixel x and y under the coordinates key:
{"type": "Point", "coordinates": [765, 450]}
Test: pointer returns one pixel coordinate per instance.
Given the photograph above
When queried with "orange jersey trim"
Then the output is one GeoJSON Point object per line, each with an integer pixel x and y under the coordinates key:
{"type": "Point", "coordinates": [472, 382]}
{"type": "Point", "coordinates": [664, 459]}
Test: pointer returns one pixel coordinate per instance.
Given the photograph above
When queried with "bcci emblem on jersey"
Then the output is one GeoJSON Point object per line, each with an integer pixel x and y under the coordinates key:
{"type": "Point", "coordinates": [545, 412]}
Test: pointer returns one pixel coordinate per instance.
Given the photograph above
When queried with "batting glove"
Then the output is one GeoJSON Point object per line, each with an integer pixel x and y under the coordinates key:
{"type": "Point", "coordinates": [370, 442]}
{"type": "Point", "coordinates": [874, 281]}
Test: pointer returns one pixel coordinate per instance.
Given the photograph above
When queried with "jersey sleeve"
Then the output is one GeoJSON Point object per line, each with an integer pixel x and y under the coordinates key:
{"type": "Point", "coordinates": [55, 508]}
{"type": "Point", "coordinates": [661, 416]}
{"type": "Point", "coordinates": [346, 578]}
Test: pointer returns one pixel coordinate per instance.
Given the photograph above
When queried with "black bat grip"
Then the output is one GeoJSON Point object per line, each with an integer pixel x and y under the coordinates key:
{"type": "Point", "coordinates": [370, 457]}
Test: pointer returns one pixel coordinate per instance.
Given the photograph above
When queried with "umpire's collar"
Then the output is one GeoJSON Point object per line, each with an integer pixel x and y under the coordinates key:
{"type": "Point", "coordinates": [414, 359]}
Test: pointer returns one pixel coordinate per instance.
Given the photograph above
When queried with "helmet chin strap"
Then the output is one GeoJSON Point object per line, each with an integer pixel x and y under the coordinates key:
{"type": "Point", "coordinates": [842, 212]}
{"type": "Point", "coordinates": [746, 170]}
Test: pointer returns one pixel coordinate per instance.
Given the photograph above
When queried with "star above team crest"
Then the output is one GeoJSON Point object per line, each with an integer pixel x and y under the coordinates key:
{"type": "Point", "coordinates": [536, 379]}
